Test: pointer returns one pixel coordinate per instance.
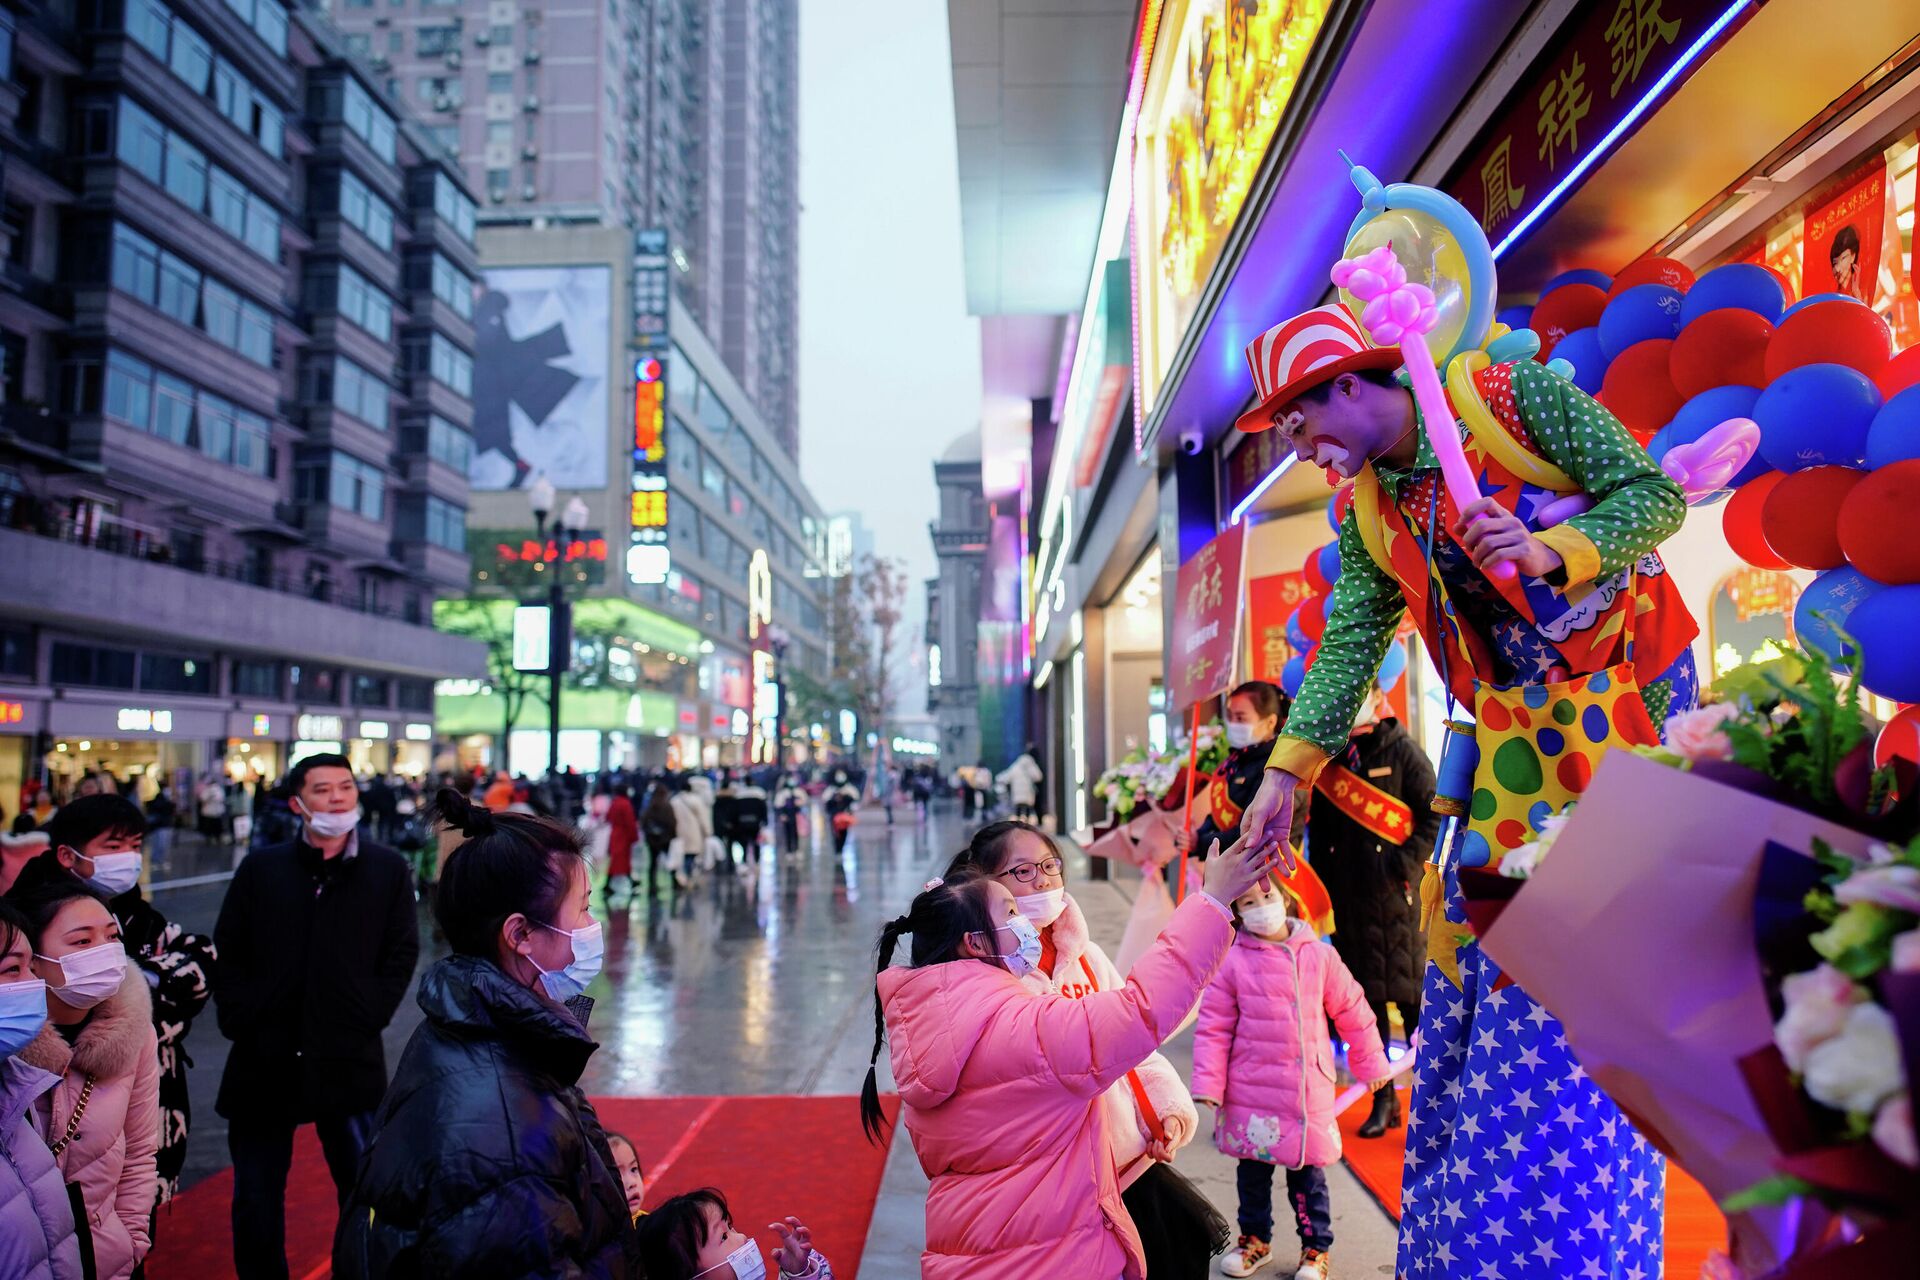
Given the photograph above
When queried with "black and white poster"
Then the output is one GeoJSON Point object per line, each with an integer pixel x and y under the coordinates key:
{"type": "Point", "coordinates": [540, 377]}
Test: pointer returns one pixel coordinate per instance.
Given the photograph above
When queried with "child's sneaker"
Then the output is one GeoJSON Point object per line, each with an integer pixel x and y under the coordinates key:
{"type": "Point", "coordinates": [1245, 1258]}
{"type": "Point", "coordinates": [1315, 1264]}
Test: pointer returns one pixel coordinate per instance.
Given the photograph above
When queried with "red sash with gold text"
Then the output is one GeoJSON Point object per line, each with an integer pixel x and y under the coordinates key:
{"type": "Point", "coordinates": [1386, 816]}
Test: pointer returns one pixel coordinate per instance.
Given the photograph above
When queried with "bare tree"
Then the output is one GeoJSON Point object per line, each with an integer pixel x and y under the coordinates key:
{"type": "Point", "coordinates": [880, 599]}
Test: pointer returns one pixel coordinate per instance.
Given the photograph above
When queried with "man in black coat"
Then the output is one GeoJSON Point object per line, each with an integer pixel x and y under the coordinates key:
{"type": "Point", "coordinates": [317, 943]}
{"type": "Point", "coordinates": [1371, 829]}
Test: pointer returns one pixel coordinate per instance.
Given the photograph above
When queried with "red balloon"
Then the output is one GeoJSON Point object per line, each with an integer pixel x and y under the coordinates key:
{"type": "Point", "coordinates": [1722, 348]}
{"type": "Point", "coordinates": [1831, 333]}
{"type": "Point", "coordinates": [1876, 524]}
{"type": "Point", "coordinates": [1899, 738]}
{"type": "Point", "coordinates": [1740, 521]}
{"type": "Point", "coordinates": [1800, 519]}
{"type": "Point", "coordinates": [1306, 659]}
{"type": "Point", "coordinates": [1313, 617]}
{"type": "Point", "coordinates": [1342, 499]}
{"type": "Point", "coordinates": [1316, 580]}
{"type": "Point", "coordinates": [1639, 390]}
{"type": "Point", "coordinates": [1674, 275]}
{"type": "Point", "coordinates": [1570, 307]}
{"type": "Point", "coordinates": [1901, 372]}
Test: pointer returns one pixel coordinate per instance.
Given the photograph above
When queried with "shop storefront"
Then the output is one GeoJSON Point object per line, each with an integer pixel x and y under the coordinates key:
{"type": "Point", "coordinates": [148, 745]}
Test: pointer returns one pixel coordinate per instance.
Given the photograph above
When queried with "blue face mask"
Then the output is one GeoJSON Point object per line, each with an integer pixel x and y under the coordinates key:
{"type": "Point", "coordinates": [588, 949]}
{"type": "Point", "coordinates": [23, 1011]}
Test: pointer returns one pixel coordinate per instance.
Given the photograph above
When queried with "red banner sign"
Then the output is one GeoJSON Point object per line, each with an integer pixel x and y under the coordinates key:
{"type": "Point", "coordinates": [1270, 602]}
{"type": "Point", "coordinates": [1601, 64]}
{"type": "Point", "coordinates": [1206, 617]}
{"type": "Point", "coordinates": [1844, 234]}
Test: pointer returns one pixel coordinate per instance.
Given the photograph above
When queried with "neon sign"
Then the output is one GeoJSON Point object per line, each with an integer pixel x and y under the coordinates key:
{"type": "Point", "coordinates": [648, 560]}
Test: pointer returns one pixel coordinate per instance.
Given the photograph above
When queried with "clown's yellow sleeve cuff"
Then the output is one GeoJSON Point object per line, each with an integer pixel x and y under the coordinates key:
{"type": "Point", "coordinates": [1298, 757]}
{"type": "Point", "coordinates": [1580, 558]}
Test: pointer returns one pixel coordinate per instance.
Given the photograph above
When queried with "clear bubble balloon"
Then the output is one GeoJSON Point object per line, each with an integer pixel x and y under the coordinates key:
{"type": "Point", "coordinates": [1432, 256]}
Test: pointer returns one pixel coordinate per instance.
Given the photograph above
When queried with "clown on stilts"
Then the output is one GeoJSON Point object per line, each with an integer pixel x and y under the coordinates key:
{"type": "Point", "coordinates": [1561, 633]}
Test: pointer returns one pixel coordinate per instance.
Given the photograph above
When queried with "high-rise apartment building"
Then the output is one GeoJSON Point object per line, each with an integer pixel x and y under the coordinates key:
{"type": "Point", "coordinates": [236, 327]}
{"type": "Point", "coordinates": [680, 114]}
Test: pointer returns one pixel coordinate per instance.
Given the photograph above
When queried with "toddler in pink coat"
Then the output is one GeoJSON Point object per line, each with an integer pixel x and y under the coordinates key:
{"type": "Point", "coordinates": [1263, 1058]}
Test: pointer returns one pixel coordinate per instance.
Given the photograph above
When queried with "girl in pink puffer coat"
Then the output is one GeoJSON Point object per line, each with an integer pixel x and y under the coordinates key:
{"type": "Point", "coordinates": [1262, 1056]}
{"type": "Point", "coordinates": [1002, 1086]}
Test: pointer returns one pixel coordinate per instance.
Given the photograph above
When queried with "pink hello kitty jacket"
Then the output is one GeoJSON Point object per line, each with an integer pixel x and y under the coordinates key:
{"type": "Point", "coordinates": [1003, 1091]}
{"type": "Point", "coordinates": [1261, 1047]}
{"type": "Point", "coordinates": [1080, 968]}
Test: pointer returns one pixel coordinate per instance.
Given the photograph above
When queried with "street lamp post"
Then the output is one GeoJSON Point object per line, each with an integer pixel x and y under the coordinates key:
{"type": "Point", "coordinates": [777, 641]}
{"type": "Point", "coordinates": [573, 519]}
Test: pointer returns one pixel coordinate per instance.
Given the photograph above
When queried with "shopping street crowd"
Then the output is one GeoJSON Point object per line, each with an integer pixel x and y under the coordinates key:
{"type": "Point", "coordinates": [478, 1155]}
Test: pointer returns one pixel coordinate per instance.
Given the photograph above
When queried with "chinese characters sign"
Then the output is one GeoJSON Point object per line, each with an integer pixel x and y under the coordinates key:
{"type": "Point", "coordinates": [1270, 602]}
{"type": "Point", "coordinates": [1220, 79]}
{"type": "Point", "coordinates": [1604, 62]}
{"type": "Point", "coordinates": [1206, 617]}
{"type": "Point", "coordinates": [647, 557]}
{"type": "Point", "coordinates": [1251, 464]}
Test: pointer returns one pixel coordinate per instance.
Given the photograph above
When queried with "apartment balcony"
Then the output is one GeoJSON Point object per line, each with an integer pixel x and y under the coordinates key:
{"type": "Point", "coordinates": [57, 577]}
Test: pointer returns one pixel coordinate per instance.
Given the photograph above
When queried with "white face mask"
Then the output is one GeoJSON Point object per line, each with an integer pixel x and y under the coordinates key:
{"type": "Point", "coordinates": [1025, 958]}
{"type": "Point", "coordinates": [1239, 736]}
{"type": "Point", "coordinates": [91, 975]}
{"type": "Point", "coordinates": [1268, 917]}
{"type": "Point", "coordinates": [745, 1261]}
{"type": "Point", "coordinates": [114, 873]}
{"type": "Point", "coordinates": [330, 826]}
{"type": "Point", "coordinates": [1042, 908]}
{"type": "Point", "coordinates": [588, 950]}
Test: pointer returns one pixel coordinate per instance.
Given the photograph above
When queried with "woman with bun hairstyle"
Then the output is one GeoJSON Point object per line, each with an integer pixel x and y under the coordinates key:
{"type": "Point", "coordinates": [1148, 1115]}
{"type": "Point", "coordinates": [487, 1158]}
{"type": "Point", "coordinates": [1002, 1086]}
{"type": "Point", "coordinates": [102, 1120]}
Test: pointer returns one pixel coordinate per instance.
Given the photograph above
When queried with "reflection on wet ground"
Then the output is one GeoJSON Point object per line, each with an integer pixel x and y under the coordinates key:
{"type": "Point", "coordinates": [753, 982]}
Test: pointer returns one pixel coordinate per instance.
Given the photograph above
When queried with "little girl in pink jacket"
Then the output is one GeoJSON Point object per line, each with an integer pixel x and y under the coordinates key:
{"type": "Point", "coordinates": [1002, 1086]}
{"type": "Point", "coordinates": [1262, 1056]}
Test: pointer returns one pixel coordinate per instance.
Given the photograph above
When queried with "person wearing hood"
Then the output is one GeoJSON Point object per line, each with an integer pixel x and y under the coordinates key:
{"type": "Point", "coordinates": [1022, 781]}
{"type": "Point", "coordinates": [694, 828]}
{"type": "Point", "coordinates": [37, 1236]}
{"type": "Point", "coordinates": [101, 1121]}
{"type": "Point", "coordinates": [97, 839]}
{"type": "Point", "coordinates": [317, 943]}
{"type": "Point", "coordinates": [1003, 1087]}
{"type": "Point", "coordinates": [1149, 1115]}
{"type": "Point", "coordinates": [486, 1159]}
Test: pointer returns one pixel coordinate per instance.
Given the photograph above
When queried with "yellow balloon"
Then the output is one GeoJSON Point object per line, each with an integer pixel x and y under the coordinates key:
{"type": "Point", "coordinates": [1432, 257]}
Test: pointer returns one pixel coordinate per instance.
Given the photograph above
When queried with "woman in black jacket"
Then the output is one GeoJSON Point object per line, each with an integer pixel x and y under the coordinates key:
{"type": "Point", "coordinates": [488, 1159]}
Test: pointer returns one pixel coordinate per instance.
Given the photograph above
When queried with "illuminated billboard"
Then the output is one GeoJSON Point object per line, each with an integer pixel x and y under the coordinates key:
{"type": "Point", "coordinates": [540, 377]}
{"type": "Point", "coordinates": [1220, 77]}
{"type": "Point", "coordinates": [648, 560]}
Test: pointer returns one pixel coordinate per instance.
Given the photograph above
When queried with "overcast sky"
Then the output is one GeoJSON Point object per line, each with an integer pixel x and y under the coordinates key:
{"type": "Point", "coordinates": [889, 358]}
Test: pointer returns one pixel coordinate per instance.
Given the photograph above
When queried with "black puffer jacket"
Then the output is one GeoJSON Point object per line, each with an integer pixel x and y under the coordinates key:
{"type": "Point", "coordinates": [1375, 886]}
{"type": "Point", "coordinates": [488, 1160]}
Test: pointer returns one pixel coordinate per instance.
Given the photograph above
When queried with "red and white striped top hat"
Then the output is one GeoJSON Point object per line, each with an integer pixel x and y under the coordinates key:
{"type": "Point", "coordinates": [1305, 351]}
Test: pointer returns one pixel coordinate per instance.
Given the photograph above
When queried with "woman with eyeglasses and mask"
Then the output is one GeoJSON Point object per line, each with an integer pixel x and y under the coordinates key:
{"type": "Point", "coordinates": [487, 1159]}
{"type": "Point", "coordinates": [36, 1218]}
{"type": "Point", "coordinates": [1003, 1087]}
{"type": "Point", "coordinates": [102, 1120]}
{"type": "Point", "coordinates": [1149, 1114]}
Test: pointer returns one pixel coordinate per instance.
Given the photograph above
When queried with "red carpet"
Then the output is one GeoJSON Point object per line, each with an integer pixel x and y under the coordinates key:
{"type": "Point", "coordinates": [1694, 1223]}
{"type": "Point", "coordinates": [770, 1156]}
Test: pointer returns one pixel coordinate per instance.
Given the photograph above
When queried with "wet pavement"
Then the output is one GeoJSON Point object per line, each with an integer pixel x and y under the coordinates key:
{"type": "Point", "coordinates": [759, 983]}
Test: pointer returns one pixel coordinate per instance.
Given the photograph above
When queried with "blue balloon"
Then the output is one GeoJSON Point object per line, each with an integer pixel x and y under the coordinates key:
{"type": "Point", "coordinates": [1637, 314]}
{"type": "Point", "coordinates": [1827, 607]}
{"type": "Point", "coordinates": [1581, 349]}
{"type": "Point", "coordinates": [1737, 284]}
{"type": "Point", "coordinates": [1883, 627]}
{"type": "Point", "coordinates": [1820, 297]}
{"type": "Point", "coordinates": [1579, 275]}
{"type": "Point", "coordinates": [1708, 410]}
{"type": "Point", "coordinates": [1514, 317]}
{"type": "Point", "coordinates": [1292, 674]}
{"type": "Point", "coordinates": [1662, 441]}
{"type": "Point", "coordinates": [1895, 433]}
{"type": "Point", "coordinates": [1330, 562]}
{"type": "Point", "coordinates": [1816, 415]}
{"type": "Point", "coordinates": [1296, 637]}
{"type": "Point", "coordinates": [1392, 667]}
